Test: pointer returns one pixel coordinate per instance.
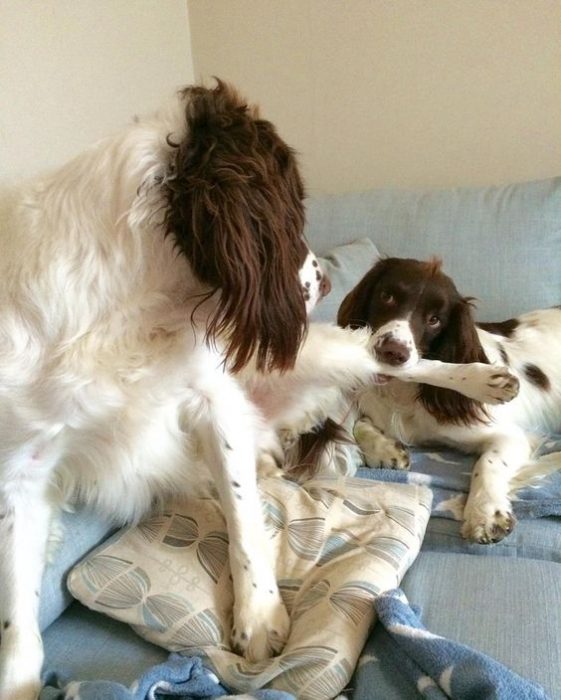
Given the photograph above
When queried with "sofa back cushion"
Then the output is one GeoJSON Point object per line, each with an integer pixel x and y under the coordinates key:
{"type": "Point", "coordinates": [501, 245]}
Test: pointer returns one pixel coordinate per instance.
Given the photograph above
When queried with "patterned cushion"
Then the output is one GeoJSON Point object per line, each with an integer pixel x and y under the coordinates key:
{"type": "Point", "coordinates": [345, 265]}
{"type": "Point", "coordinates": [337, 545]}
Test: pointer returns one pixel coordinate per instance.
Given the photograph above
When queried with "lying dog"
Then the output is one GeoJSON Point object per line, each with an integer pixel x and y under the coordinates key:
{"type": "Point", "coordinates": [414, 311]}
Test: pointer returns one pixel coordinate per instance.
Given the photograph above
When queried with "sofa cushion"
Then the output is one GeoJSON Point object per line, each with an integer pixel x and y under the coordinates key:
{"type": "Point", "coordinates": [336, 545]}
{"type": "Point", "coordinates": [345, 265]}
{"type": "Point", "coordinates": [534, 538]}
{"type": "Point", "coordinates": [500, 244]}
{"type": "Point", "coordinates": [478, 601]}
{"type": "Point", "coordinates": [86, 646]}
{"type": "Point", "coordinates": [75, 535]}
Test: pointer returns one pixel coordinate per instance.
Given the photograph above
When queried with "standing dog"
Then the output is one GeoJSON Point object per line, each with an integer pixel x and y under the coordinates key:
{"type": "Point", "coordinates": [413, 311]}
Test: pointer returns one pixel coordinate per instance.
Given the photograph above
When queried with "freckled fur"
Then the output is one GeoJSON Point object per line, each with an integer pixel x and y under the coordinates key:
{"type": "Point", "coordinates": [532, 344]}
{"type": "Point", "coordinates": [137, 283]}
{"type": "Point", "coordinates": [418, 415]}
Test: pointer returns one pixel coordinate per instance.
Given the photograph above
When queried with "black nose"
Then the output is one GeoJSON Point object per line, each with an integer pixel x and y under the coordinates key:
{"type": "Point", "coordinates": [393, 352]}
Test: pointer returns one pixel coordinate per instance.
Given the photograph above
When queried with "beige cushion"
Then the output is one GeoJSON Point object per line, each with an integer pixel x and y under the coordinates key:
{"type": "Point", "coordinates": [337, 545]}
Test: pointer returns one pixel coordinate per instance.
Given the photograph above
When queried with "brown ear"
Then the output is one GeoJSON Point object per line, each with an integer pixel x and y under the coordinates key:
{"type": "Point", "coordinates": [458, 343]}
{"type": "Point", "coordinates": [235, 210]}
{"type": "Point", "coordinates": [354, 308]}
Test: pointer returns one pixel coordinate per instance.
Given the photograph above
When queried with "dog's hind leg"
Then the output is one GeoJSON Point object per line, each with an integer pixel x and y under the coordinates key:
{"type": "Point", "coordinates": [24, 524]}
{"type": "Point", "coordinates": [25, 515]}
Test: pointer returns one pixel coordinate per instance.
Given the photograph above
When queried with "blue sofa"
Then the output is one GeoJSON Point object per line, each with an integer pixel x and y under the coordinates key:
{"type": "Point", "coordinates": [501, 245]}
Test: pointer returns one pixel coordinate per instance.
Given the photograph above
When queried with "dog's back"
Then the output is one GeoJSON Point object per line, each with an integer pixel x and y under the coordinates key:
{"type": "Point", "coordinates": [92, 313]}
{"type": "Point", "coordinates": [530, 346]}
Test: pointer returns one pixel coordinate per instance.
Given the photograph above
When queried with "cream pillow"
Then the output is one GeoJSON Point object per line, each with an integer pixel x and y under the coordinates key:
{"type": "Point", "coordinates": [337, 544]}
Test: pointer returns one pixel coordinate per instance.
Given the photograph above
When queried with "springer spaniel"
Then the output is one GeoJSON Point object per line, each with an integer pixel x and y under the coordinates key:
{"type": "Point", "coordinates": [149, 290]}
{"type": "Point", "coordinates": [136, 282]}
{"type": "Point", "coordinates": [413, 310]}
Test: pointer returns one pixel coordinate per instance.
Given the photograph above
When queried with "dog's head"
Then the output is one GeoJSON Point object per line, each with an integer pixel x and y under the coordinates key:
{"type": "Point", "coordinates": [235, 208]}
{"type": "Point", "coordinates": [415, 310]}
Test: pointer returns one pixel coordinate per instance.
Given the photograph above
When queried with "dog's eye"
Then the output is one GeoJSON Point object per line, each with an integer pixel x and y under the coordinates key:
{"type": "Point", "coordinates": [387, 298]}
{"type": "Point", "coordinates": [433, 321]}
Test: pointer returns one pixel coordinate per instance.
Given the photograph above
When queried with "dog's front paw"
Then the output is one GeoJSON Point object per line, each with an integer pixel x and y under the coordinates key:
{"type": "Point", "coordinates": [261, 627]}
{"type": "Point", "coordinates": [503, 385]}
{"type": "Point", "coordinates": [380, 452]}
{"type": "Point", "coordinates": [491, 384]}
{"type": "Point", "coordinates": [487, 527]}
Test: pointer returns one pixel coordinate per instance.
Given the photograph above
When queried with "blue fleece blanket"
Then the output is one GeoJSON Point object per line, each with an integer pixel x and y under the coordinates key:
{"type": "Point", "coordinates": [178, 678]}
{"type": "Point", "coordinates": [447, 474]}
{"type": "Point", "coordinates": [439, 668]}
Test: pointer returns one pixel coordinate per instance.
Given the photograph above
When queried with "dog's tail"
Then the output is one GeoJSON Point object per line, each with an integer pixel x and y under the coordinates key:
{"type": "Point", "coordinates": [327, 448]}
{"type": "Point", "coordinates": [534, 471]}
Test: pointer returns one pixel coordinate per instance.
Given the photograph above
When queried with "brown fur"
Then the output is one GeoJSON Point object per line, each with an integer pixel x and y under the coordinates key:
{"type": "Point", "coordinates": [536, 376]}
{"type": "Point", "coordinates": [421, 289]}
{"type": "Point", "coordinates": [503, 328]}
{"type": "Point", "coordinates": [310, 447]}
{"type": "Point", "coordinates": [457, 343]}
{"type": "Point", "coordinates": [235, 209]}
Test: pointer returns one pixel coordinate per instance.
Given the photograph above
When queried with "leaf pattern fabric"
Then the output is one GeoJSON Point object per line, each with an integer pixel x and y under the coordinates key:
{"type": "Point", "coordinates": [338, 544]}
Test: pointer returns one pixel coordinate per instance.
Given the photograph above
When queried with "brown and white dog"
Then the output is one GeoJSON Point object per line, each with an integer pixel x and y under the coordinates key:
{"type": "Point", "coordinates": [149, 289]}
{"type": "Point", "coordinates": [413, 310]}
{"type": "Point", "coordinates": [136, 282]}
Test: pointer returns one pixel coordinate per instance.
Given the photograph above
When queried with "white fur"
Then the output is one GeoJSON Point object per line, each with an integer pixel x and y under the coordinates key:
{"type": "Point", "coordinates": [335, 367]}
{"type": "Point", "coordinates": [108, 393]}
{"type": "Point", "coordinates": [505, 442]}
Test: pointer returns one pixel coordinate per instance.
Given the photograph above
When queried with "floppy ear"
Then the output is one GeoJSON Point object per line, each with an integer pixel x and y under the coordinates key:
{"type": "Point", "coordinates": [235, 210]}
{"type": "Point", "coordinates": [354, 308]}
{"type": "Point", "coordinates": [459, 343]}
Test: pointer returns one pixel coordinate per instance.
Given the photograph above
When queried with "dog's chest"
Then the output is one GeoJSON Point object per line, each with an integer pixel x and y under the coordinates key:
{"type": "Point", "coordinates": [394, 409]}
{"type": "Point", "coordinates": [113, 365]}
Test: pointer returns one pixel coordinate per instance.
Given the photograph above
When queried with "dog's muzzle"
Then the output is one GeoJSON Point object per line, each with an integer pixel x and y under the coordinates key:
{"type": "Point", "coordinates": [392, 351]}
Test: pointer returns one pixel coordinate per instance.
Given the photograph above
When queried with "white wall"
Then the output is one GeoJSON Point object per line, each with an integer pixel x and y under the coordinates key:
{"type": "Point", "coordinates": [396, 92]}
{"type": "Point", "coordinates": [72, 71]}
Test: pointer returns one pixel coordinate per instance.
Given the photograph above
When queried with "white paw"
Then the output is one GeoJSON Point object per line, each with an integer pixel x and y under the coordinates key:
{"type": "Point", "coordinates": [491, 384]}
{"type": "Point", "coordinates": [487, 523]}
{"type": "Point", "coordinates": [380, 452]}
{"type": "Point", "coordinates": [261, 626]}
